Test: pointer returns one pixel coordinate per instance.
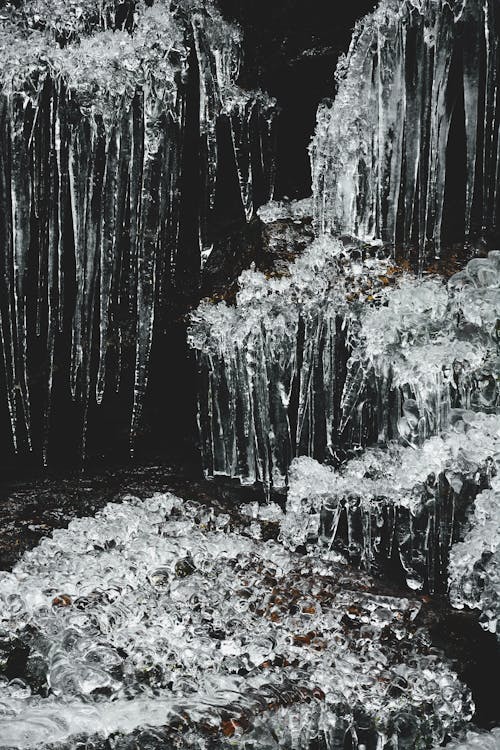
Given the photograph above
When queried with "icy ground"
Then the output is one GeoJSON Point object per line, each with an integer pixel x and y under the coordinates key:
{"type": "Point", "coordinates": [166, 614]}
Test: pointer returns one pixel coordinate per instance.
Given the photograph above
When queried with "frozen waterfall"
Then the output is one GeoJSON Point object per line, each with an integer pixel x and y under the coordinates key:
{"type": "Point", "coordinates": [384, 165]}
{"type": "Point", "coordinates": [93, 115]}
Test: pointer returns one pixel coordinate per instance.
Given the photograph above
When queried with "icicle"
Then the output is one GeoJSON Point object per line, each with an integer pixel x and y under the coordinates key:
{"type": "Point", "coordinates": [97, 150]}
{"type": "Point", "coordinates": [78, 180]}
{"type": "Point", "coordinates": [489, 108]}
{"type": "Point", "coordinates": [240, 120]}
{"type": "Point", "coordinates": [54, 264]}
{"type": "Point", "coordinates": [147, 245]}
{"type": "Point", "coordinates": [440, 119]}
{"type": "Point", "coordinates": [99, 121]}
{"type": "Point", "coordinates": [7, 275]}
{"type": "Point", "coordinates": [20, 223]}
{"type": "Point", "coordinates": [388, 127]}
{"type": "Point", "coordinates": [210, 107]}
{"type": "Point", "coordinates": [108, 240]}
{"type": "Point", "coordinates": [413, 129]}
{"type": "Point", "coordinates": [471, 57]}
{"type": "Point", "coordinates": [391, 114]}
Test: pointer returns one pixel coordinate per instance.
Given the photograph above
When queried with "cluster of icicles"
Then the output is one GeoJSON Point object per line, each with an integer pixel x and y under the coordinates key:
{"type": "Point", "coordinates": [165, 623]}
{"type": "Point", "coordinates": [341, 350]}
{"type": "Point", "coordinates": [346, 356]}
{"type": "Point", "coordinates": [346, 352]}
{"type": "Point", "coordinates": [382, 153]}
{"type": "Point", "coordinates": [407, 504]}
{"type": "Point", "coordinates": [93, 115]}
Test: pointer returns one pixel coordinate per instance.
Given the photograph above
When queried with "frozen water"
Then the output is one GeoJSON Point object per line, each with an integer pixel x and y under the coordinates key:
{"type": "Point", "coordinates": [269, 363]}
{"type": "Point", "coordinates": [400, 501]}
{"type": "Point", "coordinates": [297, 210]}
{"type": "Point", "coordinates": [432, 343]}
{"type": "Point", "coordinates": [478, 741]}
{"type": "Point", "coordinates": [475, 562]}
{"type": "Point", "coordinates": [381, 149]}
{"type": "Point", "coordinates": [341, 350]}
{"type": "Point", "coordinates": [93, 131]}
{"type": "Point", "coordinates": [163, 613]}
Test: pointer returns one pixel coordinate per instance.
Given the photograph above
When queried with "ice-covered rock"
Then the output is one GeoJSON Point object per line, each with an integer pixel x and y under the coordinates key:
{"type": "Point", "coordinates": [163, 614]}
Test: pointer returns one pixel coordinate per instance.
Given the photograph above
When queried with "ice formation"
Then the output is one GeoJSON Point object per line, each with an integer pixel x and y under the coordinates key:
{"type": "Point", "coordinates": [295, 210]}
{"type": "Point", "coordinates": [166, 614]}
{"type": "Point", "coordinates": [403, 503]}
{"type": "Point", "coordinates": [475, 562]}
{"type": "Point", "coordinates": [270, 363]}
{"type": "Point", "coordinates": [478, 741]}
{"type": "Point", "coordinates": [93, 116]}
{"type": "Point", "coordinates": [380, 156]}
{"type": "Point", "coordinates": [428, 348]}
{"type": "Point", "coordinates": [341, 349]}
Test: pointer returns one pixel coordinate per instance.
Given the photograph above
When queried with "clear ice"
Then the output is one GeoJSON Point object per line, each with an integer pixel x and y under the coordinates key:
{"type": "Point", "coordinates": [478, 741]}
{"type": "Point", "coordinates": [172, 615]}
{"type": "Point", "coordinates": [341, 349]}
{"type": "Point", "coordinates": [168, 615]}
{"type": "Point", "coordinates": [382, 148]}
{"type": "Point", "coordinates": [92, 121]}
{"type": "Point", "coordinates": [475, 561]}
{"type": "Point", "coordinates": [399, 501]}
